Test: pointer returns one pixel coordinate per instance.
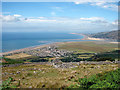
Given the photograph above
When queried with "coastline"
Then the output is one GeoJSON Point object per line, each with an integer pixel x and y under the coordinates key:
{"type": "Point", "coordinates": [85, 37]}
{"type": "Point", "coordinates": [28, 48]}
{"type": "Point", "coordinates": [33, 47]}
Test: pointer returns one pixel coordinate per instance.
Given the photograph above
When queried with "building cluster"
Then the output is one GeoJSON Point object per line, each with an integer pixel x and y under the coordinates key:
{"type": "Point", "coordinates": [50, 51]}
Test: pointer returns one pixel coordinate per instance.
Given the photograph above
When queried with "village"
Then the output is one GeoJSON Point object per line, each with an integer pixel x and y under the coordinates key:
{"type": "Point", "coordinates": [50, 51]}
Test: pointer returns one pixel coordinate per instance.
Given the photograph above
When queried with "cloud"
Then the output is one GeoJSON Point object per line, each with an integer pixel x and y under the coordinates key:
{"type": "Point", "coordinates": [9, 18]}
{"type": "Point", "coordinates": [19, 18]}
{"type": "Point", "coordinates": [13, 23]}
{"type": "Point", "coordinates": [106, 5]}
{"type": "Point", "coordinates": [115, 22]}
{"type": "Point", "coordinates": [111, 4]}
{"type": "Point", "coordinates": [93, 19]}
{"type": "Point", "coordinates": [60, 20]}
{"type": "Point", "coordinates": [81, 1]}
{"type": "Point", "coordinates": [99, 21]}
{"type": "Point", "coordinates": [17, 15]}
{"type": "Point", "coordinates": [96, 20]}
{"type": "Point", "coordinates": [90, 1]}
{"type": "Point", "coordinates": [38, 20]}
{"type": "Point", "coordinates": [41, 17]}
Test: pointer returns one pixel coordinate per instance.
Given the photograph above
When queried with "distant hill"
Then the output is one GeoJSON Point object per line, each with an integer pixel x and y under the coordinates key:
{"type": "Point", "coordinates": [112, 35]}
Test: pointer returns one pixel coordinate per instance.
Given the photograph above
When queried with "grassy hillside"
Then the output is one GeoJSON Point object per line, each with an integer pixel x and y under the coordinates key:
{"type": "Point", "coordinates": [114, 35]}
{"type": "Point", "coordinates": [45, 76]}
{"type": "Point", "coordinates": [109, 80]}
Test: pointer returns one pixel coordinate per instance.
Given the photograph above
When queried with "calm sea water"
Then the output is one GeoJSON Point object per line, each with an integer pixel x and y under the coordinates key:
{"type": "Point", "coordinates": [13, 41]}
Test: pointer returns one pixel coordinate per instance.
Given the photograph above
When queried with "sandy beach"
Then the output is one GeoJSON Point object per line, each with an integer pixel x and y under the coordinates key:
{"type": "Point", "coordinates": [88, 38]}
{"type": "Point", "coordinates": [115, 42]}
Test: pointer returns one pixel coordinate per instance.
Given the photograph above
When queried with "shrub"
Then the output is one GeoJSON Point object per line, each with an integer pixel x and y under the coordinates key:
{"type": "Point", "coordinates": [105, 80]}
{"type": "Point", "coordinates": [6, 84]}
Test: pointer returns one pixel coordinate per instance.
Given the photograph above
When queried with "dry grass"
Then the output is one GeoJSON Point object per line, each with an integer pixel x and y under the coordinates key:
{"type": "Point", "coordinates": [38, 76]}
{"type": "Point", "coordinates": [17, 56]}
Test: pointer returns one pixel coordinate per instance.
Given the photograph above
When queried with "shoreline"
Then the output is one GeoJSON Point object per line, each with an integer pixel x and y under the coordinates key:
{"type": "Point", "coordinates": [28, 48]}
{"type": "Point", "coordinates": [95, 39]}
{"type": "Point", "coordinates": [85, 37]}
{"type": "Point", "coordinates": [34, 47]}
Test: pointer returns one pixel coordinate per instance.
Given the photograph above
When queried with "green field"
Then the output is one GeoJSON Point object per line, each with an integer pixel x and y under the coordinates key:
{"type": "Point", "coordinates": [89, 46]}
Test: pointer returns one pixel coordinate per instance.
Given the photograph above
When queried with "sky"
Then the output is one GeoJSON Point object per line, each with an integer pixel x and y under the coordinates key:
{"type": "Point", "coordinates": [59, 16]}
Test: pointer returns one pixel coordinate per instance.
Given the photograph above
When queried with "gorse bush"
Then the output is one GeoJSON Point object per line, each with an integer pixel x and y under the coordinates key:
{"type": "Point", "coordinates": [6, 84]}
{"type": "Point", "coordinates": [105, 80]}
{"type": "Point", "coordinates": [111, 56]}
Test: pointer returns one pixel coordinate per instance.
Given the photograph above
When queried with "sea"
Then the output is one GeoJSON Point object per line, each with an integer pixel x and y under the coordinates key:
{"type": "Point", "coordinates": [18, 40]}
